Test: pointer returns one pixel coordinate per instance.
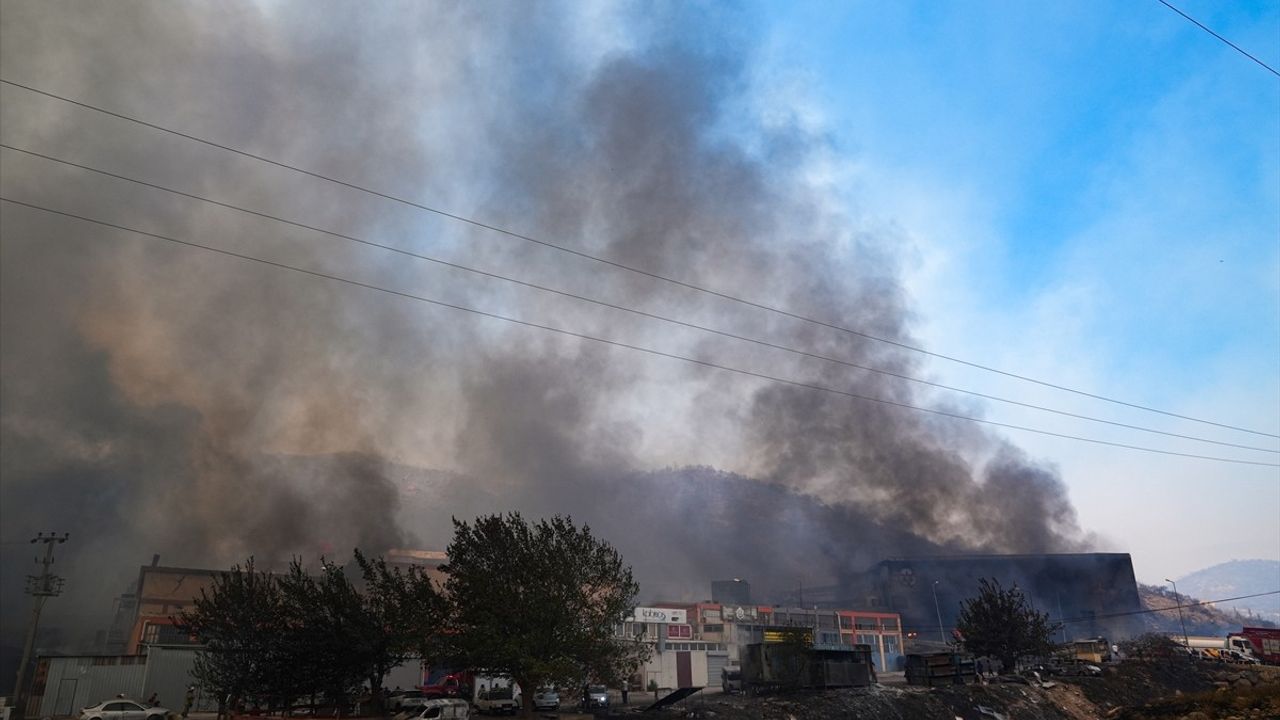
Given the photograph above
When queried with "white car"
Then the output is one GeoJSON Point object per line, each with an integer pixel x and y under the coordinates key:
{"type": "Point", "coordinates": [445, 709]}
{"type": "Point", "coordinates": [411, 700]}
{"type": "Point", "coordinates": [123, 709]}
{"type": "Point", "coordinates": [546, 699]}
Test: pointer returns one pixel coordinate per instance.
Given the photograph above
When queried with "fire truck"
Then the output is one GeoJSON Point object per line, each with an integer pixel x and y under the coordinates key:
{"type": "Point", "coordinates": [490, 694]}
{"type": "Point", "coordinates": [1265, 643]}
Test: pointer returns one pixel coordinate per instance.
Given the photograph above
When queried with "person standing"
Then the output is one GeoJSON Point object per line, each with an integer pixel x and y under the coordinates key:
{"type": "Point", "coordinates": [189, 700]}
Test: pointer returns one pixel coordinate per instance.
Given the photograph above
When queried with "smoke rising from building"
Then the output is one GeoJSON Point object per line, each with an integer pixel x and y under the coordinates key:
{"type": "Point", "coordinates": [160, 399]}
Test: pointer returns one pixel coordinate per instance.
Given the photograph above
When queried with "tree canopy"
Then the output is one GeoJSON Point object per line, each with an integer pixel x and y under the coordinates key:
{"type": "Point", "coordinates": [1000, 623]}
{"type": "Point", "coordinates": [275, 639]}
{"type": "Point", "coordinates": [539, 602]}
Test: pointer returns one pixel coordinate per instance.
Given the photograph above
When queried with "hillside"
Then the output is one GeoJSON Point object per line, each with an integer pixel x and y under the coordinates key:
{"type": "Point", "coordinates": [1236, 578]}
{"type": "Point", "coordinates": [1200, 619]}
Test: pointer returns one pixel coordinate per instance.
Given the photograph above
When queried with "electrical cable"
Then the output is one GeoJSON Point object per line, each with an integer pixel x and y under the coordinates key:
{"type": "Point", "coordinates": [629, 268]}
{"type": "Point", "coordinates": [1206, 28]}
{"type": "Point", "coordinates": [623, 308]}
{"type": "Point", "coordinates": [638, 348]}
{"type": "Point", "coordinates": [1128, 613]}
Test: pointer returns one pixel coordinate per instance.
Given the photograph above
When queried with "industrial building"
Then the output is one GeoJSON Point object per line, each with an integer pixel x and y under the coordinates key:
{"type": "Point", "coordinates": [1092, 594]}
{"type": "Point", "coordinates": [701, 639]}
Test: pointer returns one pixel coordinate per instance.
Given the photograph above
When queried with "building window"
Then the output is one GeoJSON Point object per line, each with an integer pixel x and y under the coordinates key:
{"type": "Point", "coordinates": [846, 622]}
{"type": "Point", "coordinates": [173, 635]}
{"type": "Point", "coordinates": [150, 633]}
{"type": "Point", "coordinates": [867, 624]}
{"type": "Point", "coordinates": [713, 628]}
{"type": "Point", "coordinates": [889, 623]}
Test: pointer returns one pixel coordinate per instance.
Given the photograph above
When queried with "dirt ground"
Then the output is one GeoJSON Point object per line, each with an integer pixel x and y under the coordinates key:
{"type": "Point", "coordinates": [1129, 691]}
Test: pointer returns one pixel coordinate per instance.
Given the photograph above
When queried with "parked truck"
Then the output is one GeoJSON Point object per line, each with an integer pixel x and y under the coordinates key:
{"type": "Point", "coordinates": [1234, 648]}
{"type": "Point", "coordinates": [1264, 642]}
{"type": "Point", "coordinates": [490, 694]}
{"type": "Point", "coordinates": [495, 695]}
{"type": "Point", "coordinates": [1093, 650]}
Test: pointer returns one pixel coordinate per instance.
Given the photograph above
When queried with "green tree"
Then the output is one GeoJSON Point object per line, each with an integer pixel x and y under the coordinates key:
{"type": "Point", "coordinates": [403, 614]}
{"type": "Point", "coordinates": [345, 635]}
{"type": "Point", "coordinates": [539, 602]}
{"type": "Point", "coordinates": [238, 621]}
{"type": "Point", "coordinates": [1000, 623]}
{"type": "Point", "coordinates": [322, 631]}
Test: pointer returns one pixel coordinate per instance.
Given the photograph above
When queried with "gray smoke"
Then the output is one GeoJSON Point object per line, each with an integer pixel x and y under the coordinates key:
{"type": "Point", "coordinates": [159, 399]}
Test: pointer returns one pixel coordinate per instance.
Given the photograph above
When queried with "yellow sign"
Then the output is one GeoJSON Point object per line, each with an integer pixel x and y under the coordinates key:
{"type": "Point", "coordinates": [788, 635]}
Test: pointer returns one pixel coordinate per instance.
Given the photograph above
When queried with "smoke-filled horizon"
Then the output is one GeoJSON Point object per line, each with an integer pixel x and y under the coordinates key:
{"type": "Point", "coordinates": [158, 399]}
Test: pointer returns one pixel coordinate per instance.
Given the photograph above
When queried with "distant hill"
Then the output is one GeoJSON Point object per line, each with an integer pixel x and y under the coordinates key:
{"type": "Point", "coordinates": [1236, 578]}
{"type": "Point", "coordinates": [1200, 619]}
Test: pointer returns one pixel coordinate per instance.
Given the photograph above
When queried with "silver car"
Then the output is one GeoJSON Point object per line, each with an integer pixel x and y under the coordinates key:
{"type": "Point", "coordinates": [597, 696]}
{"type": "Point", "coordinates": [546, 699]}
{"type": "Point", "coordinates": [123, 709]}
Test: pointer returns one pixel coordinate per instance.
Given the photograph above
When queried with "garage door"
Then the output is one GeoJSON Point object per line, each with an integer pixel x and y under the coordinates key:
{"type": "Point", "coordinates": [715, 663]}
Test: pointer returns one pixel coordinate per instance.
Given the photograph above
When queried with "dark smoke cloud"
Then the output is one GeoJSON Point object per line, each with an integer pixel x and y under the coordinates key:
{"type": "Point", "coordinates": [156, 399]}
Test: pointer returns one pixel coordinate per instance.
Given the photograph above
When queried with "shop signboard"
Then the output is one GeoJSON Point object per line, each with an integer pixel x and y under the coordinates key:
{"type": "Point", "coordinates": [659, 615]}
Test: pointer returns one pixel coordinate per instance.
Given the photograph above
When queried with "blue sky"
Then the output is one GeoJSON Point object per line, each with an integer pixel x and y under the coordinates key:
{"type": "Point", "coordinates": [1091, 193]}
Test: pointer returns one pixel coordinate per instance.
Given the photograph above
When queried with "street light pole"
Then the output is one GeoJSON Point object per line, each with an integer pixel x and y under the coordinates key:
{"type": "Point", "coordinates": [40, 587]}
{"type": "Point", "coordinates": [1178, 598]}
{"type": "Point", "coordinates": [938, 609]}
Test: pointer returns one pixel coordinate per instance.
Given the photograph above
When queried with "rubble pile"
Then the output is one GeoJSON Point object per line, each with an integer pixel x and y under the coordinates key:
{"type": "Point", "coordinates": [1237, 694]}
{"type": "Point", "coordinates": [1129, 691]}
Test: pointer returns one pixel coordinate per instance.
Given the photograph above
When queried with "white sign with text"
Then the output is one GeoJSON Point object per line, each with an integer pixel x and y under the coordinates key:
{"type": "Point", "coordinates": [659, 615]}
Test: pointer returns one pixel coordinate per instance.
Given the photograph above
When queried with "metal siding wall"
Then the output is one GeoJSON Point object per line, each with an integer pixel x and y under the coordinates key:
{"type": "Point", "coordinates": [57, 671]}
{"type": "Point", "coordinates": [169, 675]}
{"type": "Point", "coordinates": [107, 681]}
{"type": "Point", "coordinates": [94, 683]}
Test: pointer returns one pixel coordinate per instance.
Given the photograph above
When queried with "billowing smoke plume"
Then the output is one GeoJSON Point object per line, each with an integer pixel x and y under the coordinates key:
{"type": "Point", "coordinates": [158, 398]}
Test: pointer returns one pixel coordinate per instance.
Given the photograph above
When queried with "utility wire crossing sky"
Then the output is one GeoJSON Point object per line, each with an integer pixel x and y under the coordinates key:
{"type": "Point", "coordinates": [615, 343]}
{"type": "Point", "coordinates": [641, 313]}
{"type": "Point", "coordinates": [631, 268]}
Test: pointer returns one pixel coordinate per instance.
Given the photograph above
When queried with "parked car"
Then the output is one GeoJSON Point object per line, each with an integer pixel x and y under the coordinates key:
{"type": "Point", "coordinates": [731, 680]}
{"type": "Point", "coordinates": [444, 709]}
{"type": "Point", "coordinates": [596, 696]}
{"type": "Point", "coordinates": [546, 699]}
{"type": "Point", "coordinates": [123, 709]}
{"type": "Point", "coordinates": [406, 699]}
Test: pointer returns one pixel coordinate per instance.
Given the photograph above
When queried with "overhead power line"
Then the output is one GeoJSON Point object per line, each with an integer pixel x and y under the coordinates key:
{"type": "Point", "coordinates": [624, 308]}
{"type": "Point", "coordinates": [1207, 29]}
{"type": "Point", "coordinates": [1127, 613]}
{"type": "Point", "coordinates": [629, 346]}
{"type": "Point", "coordinates": [629, 268]}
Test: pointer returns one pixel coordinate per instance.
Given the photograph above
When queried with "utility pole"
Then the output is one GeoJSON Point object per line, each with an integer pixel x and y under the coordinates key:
{"type": "Point", "coordinates": [938, 609]}
{"type": "Point", "coordinates": [1178, 599]}
{"type": "Point", "coordinates": [40, 587]}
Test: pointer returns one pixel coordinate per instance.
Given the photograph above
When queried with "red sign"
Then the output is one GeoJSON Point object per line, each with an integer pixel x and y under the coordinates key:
{"type": "Point", "coordinates": [680, 632]}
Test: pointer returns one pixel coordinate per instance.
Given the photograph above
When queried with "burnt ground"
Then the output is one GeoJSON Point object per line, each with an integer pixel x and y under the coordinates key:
{"type": "Point", "coordinates": [1129, 691]}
